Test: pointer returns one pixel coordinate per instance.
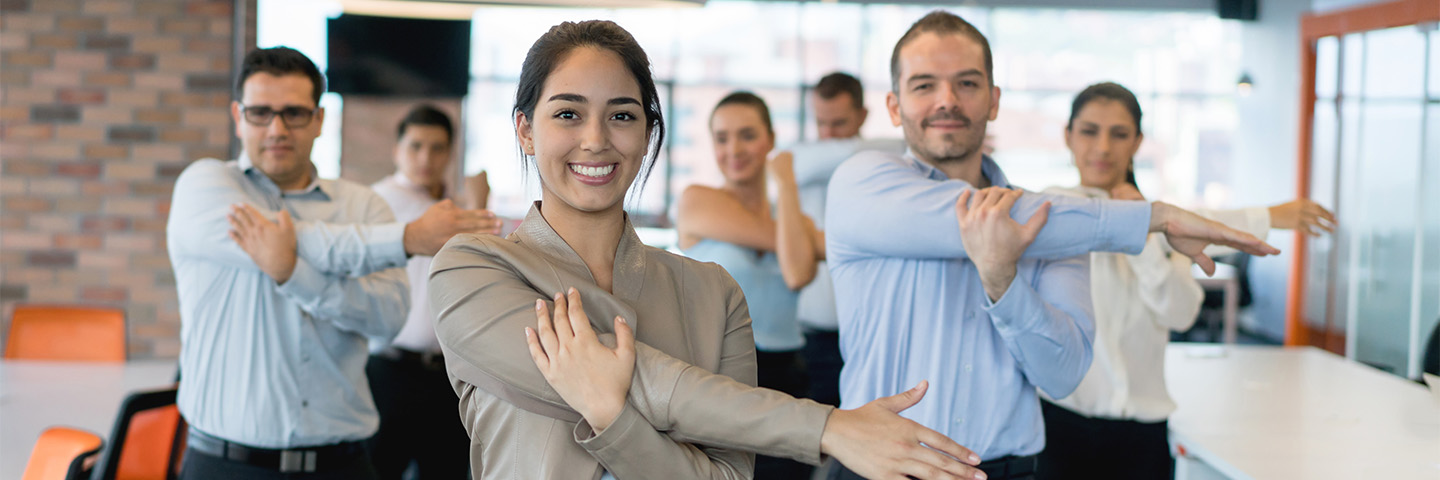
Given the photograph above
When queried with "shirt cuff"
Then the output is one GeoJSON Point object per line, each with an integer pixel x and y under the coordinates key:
{"type": "Point", "coordinates": [1123, 226]}
{"type": "Point", "coordinates": [1017, 310]}
{"type": "Point", "coordinates": [387, 245]}
{"type": "Point", "coordinates": [305, 282]}
{"type": "Point", "coordinates": [615, 436]}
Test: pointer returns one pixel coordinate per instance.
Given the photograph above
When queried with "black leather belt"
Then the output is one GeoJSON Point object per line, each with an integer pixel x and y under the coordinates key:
{"type": "Point", "coordinates": [1009, 466]}
{"type": "Point", "coordinates": [426, 360]}
{"type": "Point", "coordinates": [308, 459]}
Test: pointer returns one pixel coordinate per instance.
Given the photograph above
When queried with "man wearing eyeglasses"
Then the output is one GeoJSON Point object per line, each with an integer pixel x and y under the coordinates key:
{"type": "Point", "coordinates": [283, 277]}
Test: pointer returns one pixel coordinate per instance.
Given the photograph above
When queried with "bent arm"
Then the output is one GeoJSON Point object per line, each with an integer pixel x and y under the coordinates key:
{"type": "Point", "coordinates": [705, 212]}
{"type": "Point", "coordinates": [483, 304]}
{"type": "Point", "coordinates": [1049, 327]}
{"type": "Point", "coordinates": [880, 207]}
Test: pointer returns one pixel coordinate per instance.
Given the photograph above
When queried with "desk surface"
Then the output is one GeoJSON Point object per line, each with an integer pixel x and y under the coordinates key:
{"type": "Point", "coordinates": [37, 395]}
{"type": "Point", "coordinates": [1282, 413]}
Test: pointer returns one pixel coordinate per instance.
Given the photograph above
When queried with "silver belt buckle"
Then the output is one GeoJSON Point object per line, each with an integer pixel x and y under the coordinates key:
{"type": "Point", "coordinates": [297, 461]}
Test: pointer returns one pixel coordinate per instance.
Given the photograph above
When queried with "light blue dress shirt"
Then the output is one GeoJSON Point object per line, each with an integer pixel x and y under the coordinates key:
{"type": "Point", "coordinates": [772, 303]}
{"type": "Point", "coordinates": [282, 366]}
{"type": "Point", "coordinates": [912, 306]}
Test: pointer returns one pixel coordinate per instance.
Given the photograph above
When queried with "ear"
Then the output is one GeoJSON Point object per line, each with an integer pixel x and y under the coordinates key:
{"type": "Point", "coordinates": [1139, 138]}
{"type": "Point", "coordinates": [525, 133]}
{"type": "Point", "coordinates": [994, 103]}
{"type": "Point", "coordinates": [892, 106]}
{"type": "Point", "coordinates": [237, 117]}
{"type": "Point", "coordinates": [1070, 142]}
{"type": "Point", "coordinates": [864, 113]}
{"type": "Point", "coordinates": [318, 125]}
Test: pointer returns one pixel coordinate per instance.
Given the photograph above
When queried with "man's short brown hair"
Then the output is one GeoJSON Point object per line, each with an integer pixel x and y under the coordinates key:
{"type": "Point", "coordinates": [942, 22]}
{"type": "Point", "coordinates": [837, 83]}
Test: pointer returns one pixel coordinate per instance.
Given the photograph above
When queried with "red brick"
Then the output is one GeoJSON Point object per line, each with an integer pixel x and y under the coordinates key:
{"type": "Point", "coordinates": [222, 153]}
{"type": "Point", "coordinates": [77, 205]}
{"type": "Point", "coordinates": [104, 294]}
{"type": "Point", "coordinates": [14, 40]}
{"type": "Point", "coordinates": [156, 44]}
{"type": "Point", "coordinates": [52, 78]}
{"type": "Point", "coordinates": [79, 133]}
{"type": "Point", "coordinates": [134, 98]}
{"type": "Point", "coordinates": [58, 41]}
{"type": "Point", "coordinates": [85, 96]}
{"type": "Point", "coordinates": [221, 27]}
{"type": "Point", "coordinates": [53, 187]}
{"type": "Point", "coordinates": [13, 240]}
{"type": "Point", "coordinates": [93, 259]}
{"type": "Point", "coordinates": [27, 22]}
{"type": "Point", "coordinates": [81, 24]}
{"type": "Point", "coordinates": [150, 261]}
{"type": "Point", "coordinates": [26, 59]}
{"type": "Point", "coordinates": [214, 46]}
{"type": "Point", "coordinates": [132, 61]}
{"type": "Point", "coordinates": [56, 151]}
{"type": "Point", "coordinates": [129, 170]}
{"type": "Point", "coordinates": [77, 60]}
{"type": "Point", "coordinates": [108, 115]}
{"type": "Point", "coordinates": [80, 169]}
{"type": "Point", "coordinates": [77, 241]}
{"type": "Point", "coordinates": [107, 7]}
{"type": "Point", "coordinates": [105, 224]}
{"type": "Point", "coordinates": [53, 223]}
{"type": "Point", "coordinates": [153, 225]}
{"type": "Point", "coordinates": [160, 81]}
{"type": "Point", "coordinates": [25, 167]}
{"type": "Point", "coordinates": [106, 152]}
{"type": "Point", "coordinates": [12, 186]}
{"type": "Point", "coordinates": [53, 258]}
{"type": "Point", "coordinates": [28, 95]}
{"type": "Point", "coordinates": [209, 9]}
{"type": "Point", "coordinates": [107, 42]}
{"type": "Point", "coordinates": [128, 206]}
{"type": "Point", "coordinates": [16, 77]}
{"type": "Point", "coordinates": [107, 79]}
{"type": "Point", "coordinates": [182, 25]}
{"type": "Point", "coordinates": [159, 153]}
{"type": "Point", "coordinates": [157, 7]}
{"type": "Point", "coordinates": [140, 24]}
{"type": "Point", "coordinates": [130, 242]}
{"type": "Point", "coordinates": [182, 135]}
{"type": "Point", "coordinates": [95, 187]}
{"type": "Point", "coordinates": [55, 6]}
{"type": "Point", "coordinates": [26, 205]}
{"type": "Point", "coordinates": [29, 132]}
{"type": "Point", "coordinates": [164, 116]}
{"type": "Point", "coordinates": [14, 113]}
{"type": "Point", "coordinates": [152, 189]}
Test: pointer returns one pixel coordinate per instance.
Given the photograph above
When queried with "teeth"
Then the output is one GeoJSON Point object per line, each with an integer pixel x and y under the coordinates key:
{"type": "Point", "coordinates": [592, 171]}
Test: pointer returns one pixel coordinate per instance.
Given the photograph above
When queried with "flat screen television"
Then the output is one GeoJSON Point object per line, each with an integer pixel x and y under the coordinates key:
{"type": "Point", "coordinates": [387, 56]}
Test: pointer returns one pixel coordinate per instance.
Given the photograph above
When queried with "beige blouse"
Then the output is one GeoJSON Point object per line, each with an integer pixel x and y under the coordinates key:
{"type": "Point", "coordinates": [692, 406]}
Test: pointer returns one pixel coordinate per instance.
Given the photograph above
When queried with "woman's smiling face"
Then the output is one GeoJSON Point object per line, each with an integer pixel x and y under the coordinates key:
{"type": "Point", "coordinates": [589, 134]}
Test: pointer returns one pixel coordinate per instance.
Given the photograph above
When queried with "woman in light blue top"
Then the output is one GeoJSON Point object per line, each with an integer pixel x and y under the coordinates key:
{"type": "Point", "coordinates": [770, 251]}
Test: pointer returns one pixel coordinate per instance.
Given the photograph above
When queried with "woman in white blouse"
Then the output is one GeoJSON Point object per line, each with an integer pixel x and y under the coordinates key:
{"type": "Point", "coordinates": [1114, 424]}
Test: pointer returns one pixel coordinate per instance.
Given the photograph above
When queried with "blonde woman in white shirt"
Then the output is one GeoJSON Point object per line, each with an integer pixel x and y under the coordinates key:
{"type": "Point", "coordinates": [1114, 424]}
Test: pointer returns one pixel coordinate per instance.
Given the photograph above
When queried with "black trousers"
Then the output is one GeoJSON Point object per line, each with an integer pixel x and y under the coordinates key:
{"type": "Point", "coordinates": [1077, 446]}
{"type": "Point", "coordinates": [823, 362]}
{"type": "Point", "coordinates": [419, 421]}
{"type": "Point", "coordinates": [783, 371]}
{"type": "Point", "coordinates": [203, 466]}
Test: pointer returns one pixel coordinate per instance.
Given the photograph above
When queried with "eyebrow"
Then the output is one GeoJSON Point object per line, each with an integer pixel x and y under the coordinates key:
{"type": "Point", "coordinates": [571, 97]}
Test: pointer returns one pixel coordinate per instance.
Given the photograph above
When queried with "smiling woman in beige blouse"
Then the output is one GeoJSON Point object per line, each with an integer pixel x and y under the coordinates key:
{"type": "Point", "coordinates": [675, 396]}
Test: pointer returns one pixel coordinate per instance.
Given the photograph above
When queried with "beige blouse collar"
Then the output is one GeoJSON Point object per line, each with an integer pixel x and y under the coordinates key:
{"type": "Point", "coordinates": [629, 275]}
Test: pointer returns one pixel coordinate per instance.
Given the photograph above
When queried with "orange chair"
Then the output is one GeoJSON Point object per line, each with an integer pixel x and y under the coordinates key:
{"type": "Point", "coordinates": [147, 440]}
{"type": "Point", "coordinates": [60, 454]}
{"type": "Point", "coordinates": [66, 333]}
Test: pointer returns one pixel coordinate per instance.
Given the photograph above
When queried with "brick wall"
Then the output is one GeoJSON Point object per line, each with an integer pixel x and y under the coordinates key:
{"type": "Point", "coordinates": [102, 104]}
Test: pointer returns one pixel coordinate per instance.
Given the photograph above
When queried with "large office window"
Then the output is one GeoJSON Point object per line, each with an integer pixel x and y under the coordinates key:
{"type": "Point", "coordinates": [1182, 66]}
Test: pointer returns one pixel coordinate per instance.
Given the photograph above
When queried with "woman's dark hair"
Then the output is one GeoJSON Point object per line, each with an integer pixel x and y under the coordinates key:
{"type": "Point", "coordinates": [426, 114]}
{"type": "Point", "coordinates": [1111, 91]}
{"type": "Point", "coordinates": [556, 44]}
{"type": "Point", "coordinates": [741, 97]}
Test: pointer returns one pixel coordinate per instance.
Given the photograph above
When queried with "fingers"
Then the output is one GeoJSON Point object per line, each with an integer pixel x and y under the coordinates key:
{"type": "Point", "coordinates": [962, 204]}
{"type": "Point", "coordinates": [579, 323]}
{"type": "Point", "coordinates": [624, 339]}
{"type": "Point", "coordinates": [1204, 262]}
{"type": "Point", "coordinates": [285, 222]}
{"type": "Point", "coordinates": [1248, 243]}
{"type": "Point", "coordinates": [240, 218]}
{"type": "Point", "coordinates": [944, 444]}
{"type": "Point", "coordinates": [899, 402]}
{"type": "Point", "coordinates": [911, 468]}
{"type": "Point", "coordinates": [537, 352]}
{"type": "Point", "coordinates": [1037, 222]}
{"type": "Point", "coordinates": [235, 237]}
{"type": "Point", "coordinates": [562, 319]}
{"type": "Point", "coordinates": [546, 330]}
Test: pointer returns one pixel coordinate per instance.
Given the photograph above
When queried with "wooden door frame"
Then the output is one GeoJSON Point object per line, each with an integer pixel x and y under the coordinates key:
{"type": "Point", "coordinates": [1313, 27]}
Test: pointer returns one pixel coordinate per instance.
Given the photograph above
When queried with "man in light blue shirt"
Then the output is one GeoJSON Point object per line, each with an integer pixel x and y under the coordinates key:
{"type": "Point", "coordinates": [282, 278]}
{"type": "Point", "coordinates": [928, 289]}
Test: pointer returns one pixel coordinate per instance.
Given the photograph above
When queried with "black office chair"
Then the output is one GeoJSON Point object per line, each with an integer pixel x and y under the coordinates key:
{"type": "Point", "coordinates": [147, 440]}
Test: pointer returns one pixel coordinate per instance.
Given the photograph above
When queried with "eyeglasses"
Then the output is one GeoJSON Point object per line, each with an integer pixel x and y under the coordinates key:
{"type": "Point", "coordinates": [293, 117]}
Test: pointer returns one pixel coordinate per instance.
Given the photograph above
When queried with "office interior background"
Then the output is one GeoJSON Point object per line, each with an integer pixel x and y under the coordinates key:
{"type": "Point", "coordinates": [106, 101]}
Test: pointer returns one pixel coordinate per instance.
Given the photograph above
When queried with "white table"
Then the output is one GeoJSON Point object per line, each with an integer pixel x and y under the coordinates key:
{"type": "Point", "coordinates": [1227, 281]}
{"type": "Point", "coordinates": [36, 395]}
{"type": "Point", "coordinates": [1258, 412]}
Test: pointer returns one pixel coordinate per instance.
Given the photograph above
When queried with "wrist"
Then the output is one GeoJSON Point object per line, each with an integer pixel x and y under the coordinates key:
{"type": "Point", "coordinates": [407, 240]}
{"type": "Point", "coordinates": [996, 279]}
{"type": "Point", "coordinates": [604, 415]}
{"type": "Point", "coordinates": [1160, 213]}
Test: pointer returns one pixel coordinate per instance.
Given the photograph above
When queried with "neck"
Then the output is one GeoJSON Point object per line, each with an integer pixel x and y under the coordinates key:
{"type": "Point", "coordinates": [967, 169]}
{"type": "Point", "coordinates": [436, 190]}
{"type": "Point", "coordinates": [595, 236]}
{"type": "Point", "coordinates": [292, 182]}
{"type": "Point", "coordinates": [751, 194]}
{"type": "Point", "coordinates": [1106, 186]}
